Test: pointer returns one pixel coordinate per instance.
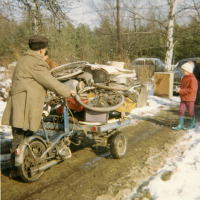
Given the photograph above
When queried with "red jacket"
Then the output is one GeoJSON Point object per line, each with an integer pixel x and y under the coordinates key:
{"type": "Point", "coordinates": [189, 86]}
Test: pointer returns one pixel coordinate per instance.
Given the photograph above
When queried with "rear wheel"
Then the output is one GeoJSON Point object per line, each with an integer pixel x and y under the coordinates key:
{"type": "Point", "coordinates": [38, 148]}
{"type": "Point", "coordinates": [118, 145]}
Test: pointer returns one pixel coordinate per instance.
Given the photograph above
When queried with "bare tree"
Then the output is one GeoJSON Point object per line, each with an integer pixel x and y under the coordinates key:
{"type": "Point", "coordinates": [197, 9]}
{"type": "Point", "coordinates": [118, 30]}
{"type": "Point", "coordinates": [36, 8]}
{"type": "Point", "coordinates": [177, 10]}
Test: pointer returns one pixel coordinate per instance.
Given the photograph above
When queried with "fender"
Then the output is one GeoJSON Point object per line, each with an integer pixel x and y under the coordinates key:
{"type": "Point", "coordinates": [21, 148]}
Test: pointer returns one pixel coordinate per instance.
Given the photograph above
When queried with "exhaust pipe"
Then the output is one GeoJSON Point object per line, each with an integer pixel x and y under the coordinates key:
{"type": "Point", "coordinates": [64, 153]}
{"type": "Point", "coordinates": [43, 167]}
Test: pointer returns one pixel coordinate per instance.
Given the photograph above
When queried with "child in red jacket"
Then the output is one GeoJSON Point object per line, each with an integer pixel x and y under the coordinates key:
{"type": "Point", "coordinates": [188, 93]}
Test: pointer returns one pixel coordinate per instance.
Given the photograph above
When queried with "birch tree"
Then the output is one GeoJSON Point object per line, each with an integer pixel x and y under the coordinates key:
{"type": "Point", "coordinates": [170, 30]}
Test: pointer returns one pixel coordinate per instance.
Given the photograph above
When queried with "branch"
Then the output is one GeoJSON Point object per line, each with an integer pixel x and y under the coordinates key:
{"type": "Point", "coordinates": [196, 8]}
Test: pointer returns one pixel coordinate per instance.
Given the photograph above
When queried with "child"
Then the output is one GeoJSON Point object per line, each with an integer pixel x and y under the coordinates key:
{"type": "Point", "coordinates": [50, 62]}
{"type": "Point", "coordinates": [188, 92]}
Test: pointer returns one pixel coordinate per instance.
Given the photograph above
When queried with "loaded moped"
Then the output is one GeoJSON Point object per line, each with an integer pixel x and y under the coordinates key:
{"type": "Point", "coordinates": [50, 145]}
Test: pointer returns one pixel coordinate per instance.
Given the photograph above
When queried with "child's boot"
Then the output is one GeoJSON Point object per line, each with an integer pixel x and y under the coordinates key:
{"type": "Point", "coordinates": [191, 124]}
{"type": "Point", "coordinates": [181, 123]}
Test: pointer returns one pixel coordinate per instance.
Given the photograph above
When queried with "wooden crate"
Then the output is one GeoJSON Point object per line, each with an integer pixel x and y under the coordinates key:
{"type": "Point", "coordinates": [163, 84]}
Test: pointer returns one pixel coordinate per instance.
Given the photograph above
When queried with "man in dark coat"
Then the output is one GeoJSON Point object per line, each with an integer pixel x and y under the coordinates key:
{"type": "Point", "coordinates": [31, 79]}
{"type": "Point", "coordinates": [197, 75]}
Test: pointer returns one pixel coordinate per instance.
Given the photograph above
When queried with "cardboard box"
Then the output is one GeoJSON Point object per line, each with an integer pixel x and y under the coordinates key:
{"type": "Point", "coordinates": [163, 84]}
{"type": "Point", "coordinates": [93, 116]}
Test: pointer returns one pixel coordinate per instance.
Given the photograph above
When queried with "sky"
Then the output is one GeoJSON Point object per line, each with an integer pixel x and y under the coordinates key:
{"type": "Point", "coordinates": [82, 13]}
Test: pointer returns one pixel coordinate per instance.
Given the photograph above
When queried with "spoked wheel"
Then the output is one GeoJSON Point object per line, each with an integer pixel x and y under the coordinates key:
{"type": "Point", "coordinates": [118, 145]}
{"type": "Point", "coordinates": [69, 70]}
{"type": "Point", "coordinates": [100, 100]}
{"type": "Point", "coordinates": [38, 148]}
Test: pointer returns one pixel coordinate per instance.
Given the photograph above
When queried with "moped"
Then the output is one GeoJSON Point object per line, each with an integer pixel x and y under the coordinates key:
{"type": "Point", "coordinates": [50, 145]}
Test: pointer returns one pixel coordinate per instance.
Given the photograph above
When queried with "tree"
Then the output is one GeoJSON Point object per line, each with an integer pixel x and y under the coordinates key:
{"type": "Point", "coordinates": [178, 11]}
{"type": "Point", "coordinates": [36, 8]}
{"type": "Point", "coordinates": [170, 30]}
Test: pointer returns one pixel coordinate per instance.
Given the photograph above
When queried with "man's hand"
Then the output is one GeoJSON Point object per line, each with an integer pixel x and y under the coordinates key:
{"type": "Point", "coordinates": [73, 93]}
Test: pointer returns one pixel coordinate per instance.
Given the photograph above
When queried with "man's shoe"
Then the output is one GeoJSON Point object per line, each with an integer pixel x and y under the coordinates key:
{"type": "Point", "coordinates": [13, 174]}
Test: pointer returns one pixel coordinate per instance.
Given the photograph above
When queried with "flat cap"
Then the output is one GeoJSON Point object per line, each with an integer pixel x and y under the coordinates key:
{"type": "Point", "coordinates": [37, 42]}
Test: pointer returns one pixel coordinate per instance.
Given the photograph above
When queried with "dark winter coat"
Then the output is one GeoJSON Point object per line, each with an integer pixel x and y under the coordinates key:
{"type": "Point", "coordinates": [30, 80]}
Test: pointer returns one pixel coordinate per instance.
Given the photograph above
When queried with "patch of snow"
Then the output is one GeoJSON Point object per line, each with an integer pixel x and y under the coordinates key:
{"type": "Point", "coordinates": [4, 129]}
{"type": "Point", "coordinates": [185, 182]}
{"type": "Point", "coordinates": [154, 103]}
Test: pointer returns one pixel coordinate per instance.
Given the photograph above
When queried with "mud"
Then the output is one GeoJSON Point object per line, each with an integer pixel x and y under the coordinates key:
{"type": "Point", "coordinates": [92, 173]}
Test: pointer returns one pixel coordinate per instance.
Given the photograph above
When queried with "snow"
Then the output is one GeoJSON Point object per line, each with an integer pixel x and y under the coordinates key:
{"type": "Point", "coordinates": [184, 183]}
{"type": "Point", "coordinates": [4, 84]}
{"type": "Point", "coordinates": [4, 129]}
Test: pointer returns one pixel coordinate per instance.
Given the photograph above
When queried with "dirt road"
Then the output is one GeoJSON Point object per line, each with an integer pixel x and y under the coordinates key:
{"type": "Point", "coordinates": [92, 173]}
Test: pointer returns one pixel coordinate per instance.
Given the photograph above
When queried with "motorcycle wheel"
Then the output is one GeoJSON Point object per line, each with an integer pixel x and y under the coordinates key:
{"type": "Point", "coordinates": [38, 148]}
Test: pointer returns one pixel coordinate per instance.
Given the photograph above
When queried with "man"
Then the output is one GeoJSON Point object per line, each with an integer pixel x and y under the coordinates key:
{"type": "Point", "coordinates": [196, 72]}
{"type": "Point", "coordinates": [31, 79]}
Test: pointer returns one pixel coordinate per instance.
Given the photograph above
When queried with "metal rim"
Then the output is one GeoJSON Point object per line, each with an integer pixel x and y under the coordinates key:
{"type": "Point", "coordinates": [38, 148]}
{"type": "Point", "coordinates": [99, 109]}
{"type": "Point", "coordinates": [68, 65]}
{"type": "Point", "coordinates": [112, 87]}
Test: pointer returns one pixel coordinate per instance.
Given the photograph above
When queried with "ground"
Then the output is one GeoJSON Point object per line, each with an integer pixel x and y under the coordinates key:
{"type": "Point", "coordinates": [92, 173]}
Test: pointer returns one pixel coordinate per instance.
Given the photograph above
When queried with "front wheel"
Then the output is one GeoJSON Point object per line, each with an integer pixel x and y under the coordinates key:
{"type": "Point", "coordinates": [118, 145]}
{"type": "Point", "coordinates": [38, 148]}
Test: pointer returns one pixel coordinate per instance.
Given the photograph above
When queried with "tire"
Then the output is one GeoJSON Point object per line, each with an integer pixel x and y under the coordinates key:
{"type": "Point", "coordinates": [118, 145]}
{"type": "Point", "coordinates": [38, 148]}
{"type": "Point", "coordinates": [100, 109]}
{"type": "Point", "coordinates": [65, 77]}
{"type": "Point", "coordinates": [113, 87]}
{"type": "Point", "coordinates": [66, 71]}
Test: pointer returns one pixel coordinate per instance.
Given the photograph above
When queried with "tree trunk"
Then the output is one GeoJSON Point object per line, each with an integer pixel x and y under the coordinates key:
{"type": "Point", "coordinates": [169, 54]}
{"type": "Point", "coordinates": [118, 31]}
{"type": "Point", "coordinates": [35, 19]}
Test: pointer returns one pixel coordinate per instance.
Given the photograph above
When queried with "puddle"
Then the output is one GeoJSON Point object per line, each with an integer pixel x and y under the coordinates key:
{"type": "Point", "coordinates": [94, 161]}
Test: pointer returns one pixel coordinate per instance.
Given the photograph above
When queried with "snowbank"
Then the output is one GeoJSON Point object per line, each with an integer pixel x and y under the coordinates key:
{"type": "Point", "coordinates": [184, 184]}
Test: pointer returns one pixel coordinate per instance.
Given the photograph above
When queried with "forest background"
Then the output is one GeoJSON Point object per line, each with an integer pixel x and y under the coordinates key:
{"type": "Point", "coordinates": [123, 31]}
